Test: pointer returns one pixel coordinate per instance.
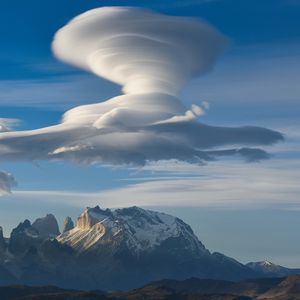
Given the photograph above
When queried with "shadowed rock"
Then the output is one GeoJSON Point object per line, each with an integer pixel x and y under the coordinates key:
{"type": "Point", "coordinates": [47, 227]}
{"type": "Point", "coordinates": [68, 225]}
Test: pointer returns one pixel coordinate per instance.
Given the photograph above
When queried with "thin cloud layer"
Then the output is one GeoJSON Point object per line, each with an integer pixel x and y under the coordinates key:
{"type": "Point", "coordinates": [151, 56]}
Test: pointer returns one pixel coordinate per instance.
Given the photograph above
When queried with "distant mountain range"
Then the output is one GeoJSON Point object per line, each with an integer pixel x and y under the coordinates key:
{"type": "Point", "coordinates": [287, 288]}
{"type": "Point", "coordinates": [115, 250]}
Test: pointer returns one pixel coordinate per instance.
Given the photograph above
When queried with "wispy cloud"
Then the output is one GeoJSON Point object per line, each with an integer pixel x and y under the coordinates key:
{"type": "Point", "coordinates": [8, 124]}
{"type": "Point", "coordinates": [219, 185]}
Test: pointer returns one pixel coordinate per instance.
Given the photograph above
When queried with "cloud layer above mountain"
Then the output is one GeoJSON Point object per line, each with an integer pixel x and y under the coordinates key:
{"type": "Point", "coordinates": [151, 56]}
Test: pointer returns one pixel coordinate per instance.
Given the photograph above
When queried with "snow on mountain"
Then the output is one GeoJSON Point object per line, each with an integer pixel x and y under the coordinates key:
{"type": "Point", "coordinates": [263, 266]}
{"type": "Point", "coordinates": [267, 268]}
{"type": "Point", "coordinates": [140, 229]}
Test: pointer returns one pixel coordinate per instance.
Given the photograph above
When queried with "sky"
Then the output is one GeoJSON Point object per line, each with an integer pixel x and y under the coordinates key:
{"type": "Point", "coordinates": [246, 208]}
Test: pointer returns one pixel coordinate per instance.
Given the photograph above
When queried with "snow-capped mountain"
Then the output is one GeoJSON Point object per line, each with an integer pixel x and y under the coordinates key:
{"type": "Point", "coordinates": [112, 249]}
{"type": "Point", "coordinates": [138, 229]}
{"type": "Point", "coordinates": [133, 246]}
{"type": "Point", "coordinates": [269, 269]}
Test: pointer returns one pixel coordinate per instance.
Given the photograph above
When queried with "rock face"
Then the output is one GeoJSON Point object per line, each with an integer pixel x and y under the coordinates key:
{"type": "Point", "coordinates": [135, 229]}
{"type": "Point", "coordinates": [2, 240]}
{"type": "Point", "coordinates": [27, 236]}
{"type": "Point", "coordinates": [68, 225]}
{"type": "Point", "coordinates": [46, 227]}
{"type": "Point", "coordinates": [131, 246]}
{"type": "Point", "coordinates": [22, 238]}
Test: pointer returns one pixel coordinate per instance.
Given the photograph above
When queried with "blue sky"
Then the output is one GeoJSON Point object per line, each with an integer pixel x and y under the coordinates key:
{"type": "Point", "coordinates": [234, 207]}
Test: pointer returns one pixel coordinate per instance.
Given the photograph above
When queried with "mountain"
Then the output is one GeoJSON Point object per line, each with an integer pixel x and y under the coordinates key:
{"type": "Point", "coordinates": [268, 269]}
{"type": "Point", "coordinates": [23, 237]}
{"type": "Point", "coordinates": [112, 250]}
{"type": "Point", "coordinates": [287, 288]}
{"type": "Point", "coordinates": [46, 227]}
{"type": "Point", "coordinates": [27, 236]}
{"type": "Point", "coordinates": [132, 246]}
{"type": "Point", "coordinates": [2, 240]}
{"type": "Point", "coordinates": [132, 229]}
{"type": "Point", "coordinates": [68, 225]}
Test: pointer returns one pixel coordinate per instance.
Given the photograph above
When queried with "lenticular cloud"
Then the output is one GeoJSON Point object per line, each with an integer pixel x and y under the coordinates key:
{"type": "Point", "coordinates": [151, 56]}
{"type": "Point", "coordinates": [140, 50]}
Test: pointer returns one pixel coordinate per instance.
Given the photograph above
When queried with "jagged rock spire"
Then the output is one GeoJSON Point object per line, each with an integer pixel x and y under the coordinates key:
{"type": "Point", "coordinates": [47, 226]}
{"type": "Point", "coordinates": [2, 240]}
{"type": "Point", "coordinates": [68, 224]}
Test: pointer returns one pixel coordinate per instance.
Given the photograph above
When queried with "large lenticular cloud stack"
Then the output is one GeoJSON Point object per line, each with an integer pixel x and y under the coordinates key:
{"type": "Point", "coordinates": [143, 51]}
{"type": "Point", "coordinates": [151, 56]}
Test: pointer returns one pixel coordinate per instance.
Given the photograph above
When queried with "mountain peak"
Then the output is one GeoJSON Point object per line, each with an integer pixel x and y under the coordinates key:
{"type": "Point", "coordinates": [92, 216]}
{"type": "Point", "coordinates": [2, 240]}
{"type": "Point", "coordinates": [267, 263]}
{"type": "Point", "coordinates": [262, 264]}
{"type": "Point", "coordinates": [46, 226]}
{"type": "Point", "coordinates": [137, 229]}
{"type": "Point", "coordinates": [68, 224]}
{"type": "Point", "coordinates": [270, 269]}
{"type": "Point", "coordinates": [119, 249]}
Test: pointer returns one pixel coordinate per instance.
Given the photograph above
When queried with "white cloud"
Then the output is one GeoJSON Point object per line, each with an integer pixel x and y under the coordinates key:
{"type": "Point", "coordinates": [152, 56]}
{"type": "Point", "coordinates": [8, 124]}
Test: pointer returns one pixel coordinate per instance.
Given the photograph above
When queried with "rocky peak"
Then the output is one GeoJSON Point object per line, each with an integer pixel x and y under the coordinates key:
{"type": "Point", "coordinates": [68, 224]}
{"type": "Point", "coordinates": [268, 268]}
{"type": "Point", "coordinates": [262, 265]}
{"type": "Point", "coordinates": [92, 216]}
{"type": "Point", "coordinates": [22, 237]}
{"type": "Point", "coordinates": [136, 229]}
{"type": "Point", "coordinates": [47, 227]}
{"type": "Point", "coordinates": [24, 227]}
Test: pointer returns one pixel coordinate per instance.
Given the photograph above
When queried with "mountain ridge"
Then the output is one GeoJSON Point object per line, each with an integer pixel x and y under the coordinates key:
{"type": "Point", "coordinates": [113, 249]}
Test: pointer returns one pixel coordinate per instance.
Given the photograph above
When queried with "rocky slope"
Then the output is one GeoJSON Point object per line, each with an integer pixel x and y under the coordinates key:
{"type": "Point", "coordinates": [131, 246]}
{"type": "Point", "coordinates": [46, 227]}
{"type": "Point", "coordinates": [136, 229]}
{"type": "Point", "coordinates": [68, 225]}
